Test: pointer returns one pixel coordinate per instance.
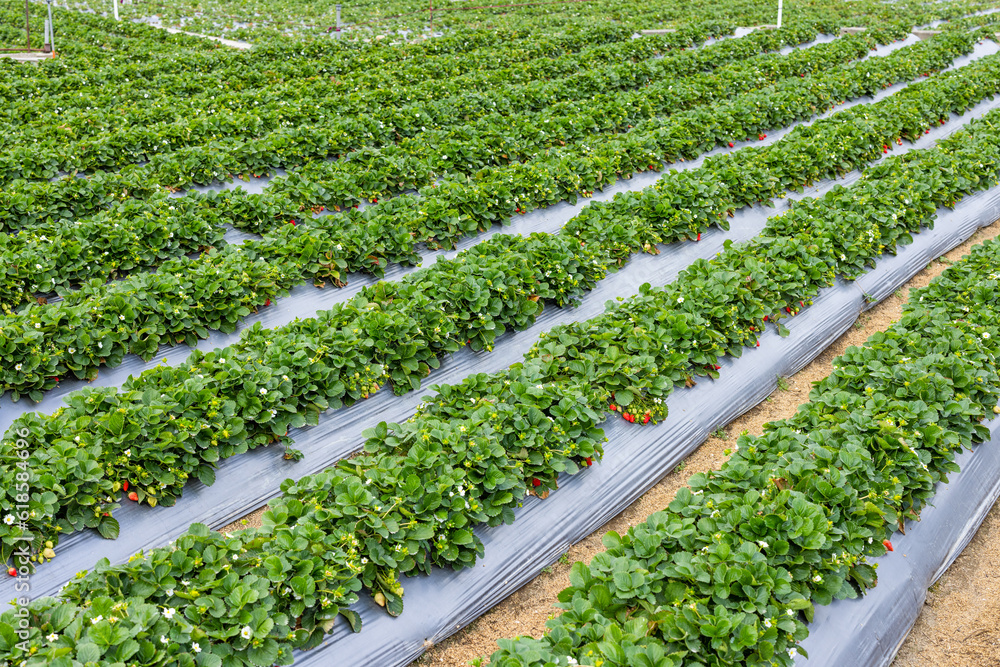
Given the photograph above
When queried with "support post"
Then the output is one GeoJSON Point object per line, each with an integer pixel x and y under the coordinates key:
{"type": "Point", "coordinates": [338, 19]}
{"type": "Point", "coordinates": [779, 12]}
{"type": "Point", "coordinates": [27, 25]}
{"type": "Point", "coordinates": [114, 3]}
{"type": "Point", "coordinates": [431, 8]}
{"type": "Point", "coordinates": [52, 27]}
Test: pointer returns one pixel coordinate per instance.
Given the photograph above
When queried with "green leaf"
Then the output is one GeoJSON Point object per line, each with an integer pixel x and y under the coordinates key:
{"type": "Point", "coordinates": [353, 617]}
{"type": "Point", "coordinates": [108, 528]}
{"type": "Point", "coordinates": [624, 397]}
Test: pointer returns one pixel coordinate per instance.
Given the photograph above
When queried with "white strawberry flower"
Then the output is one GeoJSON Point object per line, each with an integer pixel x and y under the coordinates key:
{"type": "Point", "coordinates": [246, 632]}
{"type": "Point", "coordinates": [169, 612]}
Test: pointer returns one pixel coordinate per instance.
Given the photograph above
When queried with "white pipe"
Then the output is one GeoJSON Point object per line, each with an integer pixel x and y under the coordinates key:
{"type": "Point", "coordinates": [52, 28]}
{"type": "Point", "coordinates": [114, 3]}
{"type": "Point", "coordinates": [779, 13]}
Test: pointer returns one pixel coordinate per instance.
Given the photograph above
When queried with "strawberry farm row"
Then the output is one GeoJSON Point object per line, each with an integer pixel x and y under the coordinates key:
{"type": "Point", "coordinates": [225, 285]}
{"type": "Point", "coordinates": [731, 571]}
{"type": "Point", "coordinates": [276, 22]}
{"type": "Point", "coordinates": [24, 202]}
{"type": "Point", "coordinates": [306, 100]}
{"type": "Point", "coordinates": [38, 263]}
{"type": "Point", "coordinates": [132, 45]}
{"type": "Point", "coordinates": [259, 139]}
{"type": "Point", "coordinates": [470, 455]}
{"type": "Point", "coordinates": [469, 300]}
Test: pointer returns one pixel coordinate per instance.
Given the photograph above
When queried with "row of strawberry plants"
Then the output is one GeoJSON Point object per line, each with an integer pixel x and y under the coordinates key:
{"type": "Point", "coordinates": [828, 148]}
{"type": "Point", "coordinates": [414, 162]}
{"type": "Point", "coordinates": [257, 140]}
{"type": "Point", "coordinates": [391, 169]}
{"type": "Point", "coordinates": [729, 573]}
{"type": "Point", "coordinates": [184, 298]}
{"type": "Point", "coordinates": [24, 203]}
{"type": "Point", "coordinates": [145, 57]}
{"type": "Point", "coordinates": [529, 60]}
{"type": "Point", "coordinates": [269, 20]}
{"type": "Point", "coordinates": [266, 386]}
{"type": "Point", "coordinates": [31, 273]}
{"type": "Point", "coordinates": [130, 236]}
{"type": "Point", "coordinates": [470, 455]}
{"type": "Point", "coordinates": [366, 179]}
{"type": "Point", "coordinates": [75, 114]}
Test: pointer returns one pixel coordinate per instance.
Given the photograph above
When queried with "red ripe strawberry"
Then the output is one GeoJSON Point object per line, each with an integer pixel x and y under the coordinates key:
{"type": "Point", "coordinates": [802, 76]}
{"type": "Point", "coordinates": [291, 222]}
{"type": "Point", "coordinates": [731, 144]}
{"type": "Point", "coordinates": [765, 318]}
{"type": "Point", "coordinates": [12, 571]}
{"type": "Point", "coordinates": [589, 461]}
{"type": "Point", "coordinates": [535, 481]}
{"type": "Point", "coordinates": [267, 303]}
{"type": "Point", "coordinates": [374, 200]}
{"type": "Point", "coordinates": [758, 343]}
{"type": "Point", "coordinates": [802, 304]}
{"type": "Point", "coordinates": [888, 545]}
{"type": "Point", "coordinates": [125, 486]}
{"type": "Point", "coordinates": [355, 206]}
{"type": "Point", "coordinates": [651, 167]}
{"type": "Point", "coordinates": [761, 137]}
{"type": "Point", "coordinates": [133, 496]}
{"type": "Point", "coordinates": [645, 418]}
{"type": "Point", "coordinates": [765, 135]}
{"type": "Point", "coordinates": [613, 407]}
{"type": "Point", "coordinates": [717, 366]}
{"type": "Point", "coordinates": [927, 131]}
{"type": "Point", "coordinates": [699, 237]}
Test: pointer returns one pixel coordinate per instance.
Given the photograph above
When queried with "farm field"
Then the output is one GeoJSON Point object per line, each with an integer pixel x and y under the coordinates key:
{"type": "Point", "coordinates": [431, 311]}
